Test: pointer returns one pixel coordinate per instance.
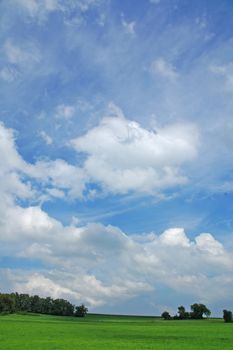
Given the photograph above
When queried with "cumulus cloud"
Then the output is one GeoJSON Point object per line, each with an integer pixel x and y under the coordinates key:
{"type": "Point", "coordinates": [60, 175]}
{"type": "Point", "coordinates": [101, 264]}
{"type": "Point", "coordinates": [12, 166]}
{"type": "Point", "coordinates": [175, 237]}
{"type": "Point", "coordinates": [54, 177]}
{"type": "Point", "coordinates": [122, 156]}
{"type": "Point", "coordinates": [98, 264]}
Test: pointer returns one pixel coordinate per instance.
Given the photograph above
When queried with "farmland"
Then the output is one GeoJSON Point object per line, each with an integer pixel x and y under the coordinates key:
{"type": "Point", "coordinates": [36, 332]}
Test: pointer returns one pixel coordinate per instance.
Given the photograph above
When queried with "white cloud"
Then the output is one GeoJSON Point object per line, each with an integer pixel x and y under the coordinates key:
{"type": "Point", "coordinates": [224, 72]}
{"type": "Point", "coordinates": [164, 69]}
{"type": "Point", "coordinates": [97, 264]}
{"type": "Point", "coordinates": [8, 74]}
{"type": "Point", "coordinates": [47, 139]}
{"type": "Point", "coordinates": [65, 111]}
{"type": "Point", "coordinates": [61, 175]}
{"type": "Point", "coordinates": [24, 55]}
{"type": "Point", "coordinates": [54, 177]}
{"type": "Point", "coordinates": [39, 8]}
{"type": "Point", "coordinates": [122, 156]}
{"type": "Point", "coordinates": [100, 264]}
{"type": "Point", "coordinates": [11, 167]}
{"type": "Point", "coordinates": [175, 237]}
{"type": "Point", "coordinates": [207, 243]}
{"type": "Point", "coordinates": [129, 27]}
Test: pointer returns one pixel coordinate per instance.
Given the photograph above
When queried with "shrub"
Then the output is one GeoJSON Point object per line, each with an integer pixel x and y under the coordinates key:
{"type": "Point", "coordinates": [227, 315]}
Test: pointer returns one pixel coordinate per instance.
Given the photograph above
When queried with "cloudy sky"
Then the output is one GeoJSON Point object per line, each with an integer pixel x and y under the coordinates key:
{"type": "Point", "coordinates": [116, 162]}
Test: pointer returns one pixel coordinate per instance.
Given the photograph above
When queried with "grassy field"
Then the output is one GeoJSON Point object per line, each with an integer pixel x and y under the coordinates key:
{"type": "Point", "coordinates": [24, 332]}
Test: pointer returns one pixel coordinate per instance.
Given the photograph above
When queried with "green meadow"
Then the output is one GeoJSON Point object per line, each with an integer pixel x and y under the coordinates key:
{"type": "Point", "coordinates": [39, 332]}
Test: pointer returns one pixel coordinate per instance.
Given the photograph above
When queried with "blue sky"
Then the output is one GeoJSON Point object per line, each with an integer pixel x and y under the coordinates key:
{"type": "Point", "coordinates": [116, 141]}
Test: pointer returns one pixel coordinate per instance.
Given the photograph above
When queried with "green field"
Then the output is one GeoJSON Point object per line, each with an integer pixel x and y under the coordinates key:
{"type": "Point", "coordinates": [39, 332]}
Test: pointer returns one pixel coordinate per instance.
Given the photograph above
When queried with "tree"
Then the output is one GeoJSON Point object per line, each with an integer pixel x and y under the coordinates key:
{"type": "Point", "coordinates": [165, 315]}
{"type": "Point", "coordinates": [182, 314]}
{"type": "Point", "coordinates": [227, 315]}
{"type": "Point", "coordinates": [7, 303]}
{"type": "Point", "coordinates": [81, 310]}
{"type": "Point", "coordinates": [23, 302]}
{"type": "Point", "coordinates": [198, 310]}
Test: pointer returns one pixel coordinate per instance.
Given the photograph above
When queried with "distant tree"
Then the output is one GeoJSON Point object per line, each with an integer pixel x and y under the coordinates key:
{"type": "Point", "coordinates": [23, 302]}
{"type": "Point", "coordinates": [176, 317]}
{"type": "Point", "coordinates": [227, 316]}
{"type": "Point", "coordinates": [81, 310]}
{"type": "Point", "coordinates": [7, 303]}
{"type": "Point", "coordinates": [62, 307]}
{"type": "Point", "coordinates": [198, 310]}
{"type": "Point", "coordinates": [36, 304]}
{"type": "Point", "coordinates": [165, 315]}
{"type": "Point", "coordinates": [182, 314]}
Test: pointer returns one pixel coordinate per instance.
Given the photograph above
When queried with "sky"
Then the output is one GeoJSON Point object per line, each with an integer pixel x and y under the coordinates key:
{"type": "Point", "coordinates": [116, 162]}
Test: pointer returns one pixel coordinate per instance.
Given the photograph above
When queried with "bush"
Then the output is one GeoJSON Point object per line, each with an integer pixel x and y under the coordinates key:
{"type": "Point", "coordinates": [165, 315]}
{"type": "Point", "coordinates": [81, 311]}
{"type": "Point", "coordinates": [227, 316]}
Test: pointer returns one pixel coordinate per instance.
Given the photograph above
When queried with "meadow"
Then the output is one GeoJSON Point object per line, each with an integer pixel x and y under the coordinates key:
{"type": "Point", "coordinates": [36, 332]}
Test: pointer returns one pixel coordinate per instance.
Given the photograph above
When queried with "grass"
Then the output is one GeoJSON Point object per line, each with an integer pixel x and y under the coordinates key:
{"type": "Point", "coordinates": [42, 332]}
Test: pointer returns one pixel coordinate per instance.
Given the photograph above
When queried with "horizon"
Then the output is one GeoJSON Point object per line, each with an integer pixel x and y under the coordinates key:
{"type": "Point", "coordinates": [116, 138]}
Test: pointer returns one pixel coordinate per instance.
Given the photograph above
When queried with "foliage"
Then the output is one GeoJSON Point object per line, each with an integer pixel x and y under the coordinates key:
{"type": "Point", "coordinates": [227, 316]}
{"type": "Point", "coordinates": [197, 312]}
{"type": "Point", "coordinates": [16, 302]}
{"type": "Point", "coordinates": [7, 303]}
{"type": "Point", "coordinates": [182, 314]}
{"type": "Point", "coordinates": [81, 311]}
{"type": "Point", "coordinates": [166, 316]}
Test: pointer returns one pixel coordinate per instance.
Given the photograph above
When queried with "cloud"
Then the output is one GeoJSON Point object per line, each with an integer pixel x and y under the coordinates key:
{"type": "Point", "coordinates": [225, 72]}
{"type": "Point", "coordinates": [26, 54]}
{"type": "Point", "coordinates": [11, 167]}
{"type": "Point", "coordinates": [8, 74]}
{"type": "Point", "coordinates": [122, 156]}
{"type": "Point", "coordinates": [20, 179]}
{"type": "Point", "coordinates": [47, 139]}
{"type": "Point", "coordinates": [65, 111]}
{"type": "Point", "coordinates": [95, 263]}
{"type": "Point", "coordinates": [101, 265]}
{"type": "Point", "coordinates": [164, 69]}
{"type": "Point", "coordinates": [129, 27]}
{"type": "Point", "coordinates": [60, 175]}
{"type": "Point", "coordinates": [175, 237]}
{"type": "Point", "coordinates": [119, 156]}
{"type": "Point", "coordinates": [39, 8]}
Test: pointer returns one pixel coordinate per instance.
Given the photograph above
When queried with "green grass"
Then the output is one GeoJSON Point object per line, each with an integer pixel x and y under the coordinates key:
{"type": "Point", "coordinates": [24, 332]}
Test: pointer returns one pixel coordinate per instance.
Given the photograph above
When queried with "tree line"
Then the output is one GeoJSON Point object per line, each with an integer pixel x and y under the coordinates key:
{"type": "Point", "coordinates": [15, 302]}
{"type": "Point", "coordinates": [198, 311]}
